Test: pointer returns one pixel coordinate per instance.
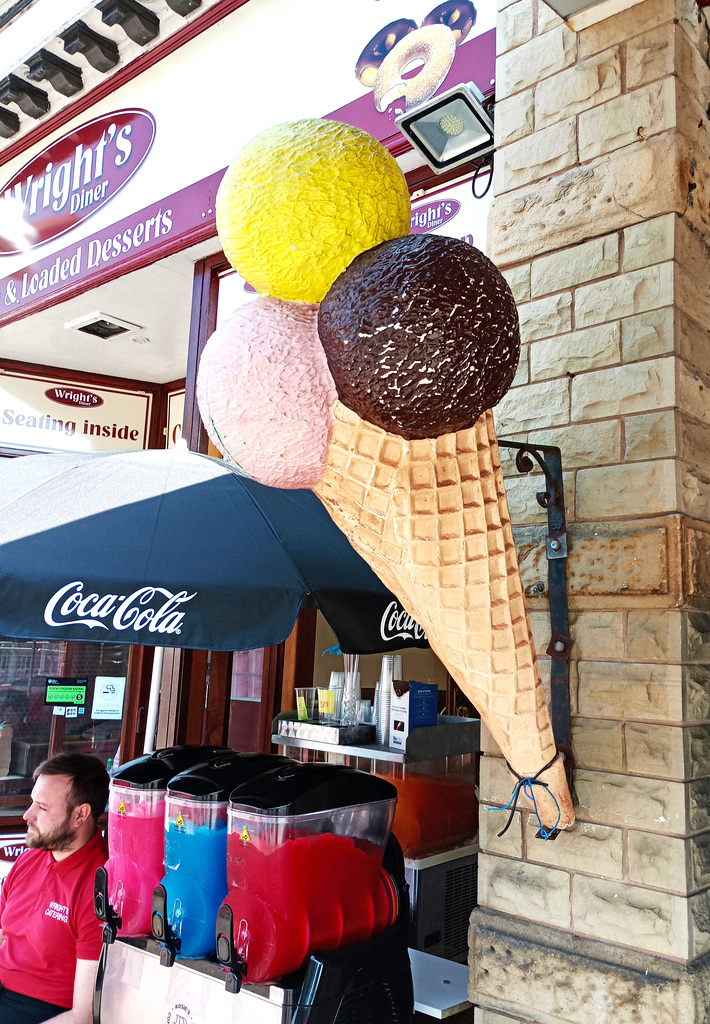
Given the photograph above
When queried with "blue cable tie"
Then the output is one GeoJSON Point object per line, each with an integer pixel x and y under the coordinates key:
{"type": "Point", "coordinates": [527, 784]}
{"type": "Point", "coordinates": [331, 650]}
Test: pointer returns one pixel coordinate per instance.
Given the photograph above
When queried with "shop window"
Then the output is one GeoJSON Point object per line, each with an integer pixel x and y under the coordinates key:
{"type": "Point", "coordinates": [233, 292]}
{"type": "Point", "coordinates": [32, 729]}
{"type": "Point", "coordinates": [247, 669]}
{"type": "Point", "coordinates": [253, 697]}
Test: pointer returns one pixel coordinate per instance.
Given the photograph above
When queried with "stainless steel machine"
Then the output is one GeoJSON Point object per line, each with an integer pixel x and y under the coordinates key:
{"type": "Point", "coordinates": [436, 822]}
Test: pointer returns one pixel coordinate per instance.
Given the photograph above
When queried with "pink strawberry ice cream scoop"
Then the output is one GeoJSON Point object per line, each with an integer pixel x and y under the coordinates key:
{"type": "Point", "coordinates": [265, 392]}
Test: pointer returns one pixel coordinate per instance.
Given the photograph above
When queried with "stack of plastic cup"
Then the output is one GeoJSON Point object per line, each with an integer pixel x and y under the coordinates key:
{"type": "Point", "coordinates": [384, 699]}
{"type": "Point", "coordinates": [364, 712]}
{"type": "Point", "coordinates": [351, 690]}
{"type": "Point", "coordinates": [337, 684]}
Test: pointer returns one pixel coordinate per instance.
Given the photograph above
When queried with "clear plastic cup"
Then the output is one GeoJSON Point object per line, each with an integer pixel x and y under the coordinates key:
{"type": "Point", "coordinates": [327, 704]}
{"type": "Point", "coordinates": [364, 712]}
{"type": "Point", "coordinates": [307, 703]}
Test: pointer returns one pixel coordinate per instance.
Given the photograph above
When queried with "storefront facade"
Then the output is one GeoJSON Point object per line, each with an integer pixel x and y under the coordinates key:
{"type": "Point", "coordinates": [112, 279]}
{"type": "Point", "coordinates": [600, 224]}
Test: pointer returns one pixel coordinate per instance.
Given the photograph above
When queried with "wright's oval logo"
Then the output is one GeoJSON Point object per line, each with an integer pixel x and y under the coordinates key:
{"type": "Point", "coordinates": [433, 215]}
{"type": "Point", "coordinates": [72, 179]}
{"type": "Point", "coordinates": [74, 396]}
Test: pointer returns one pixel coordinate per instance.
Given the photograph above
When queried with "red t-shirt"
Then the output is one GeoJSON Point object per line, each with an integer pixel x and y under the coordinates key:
{"type": "Point", "coordinates": [48, 923]}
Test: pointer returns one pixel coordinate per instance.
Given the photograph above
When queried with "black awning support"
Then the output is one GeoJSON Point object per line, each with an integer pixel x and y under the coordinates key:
{"type": "Point", "coordinates": [552, 499]}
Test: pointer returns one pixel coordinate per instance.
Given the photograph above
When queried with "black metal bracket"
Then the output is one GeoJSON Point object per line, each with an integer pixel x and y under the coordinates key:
{"type": "Point", "coordinates": [552, 499]}
{"type": "Point", "coordinates": [47, 67]}
{"type": "Point", "coordinates": [100, 51]}
{"type": "Point", "coordinates": [140, 25]}
{"type": "Point", "coordinates": [9, 123]}
{"type": "Point", "coordinates": [184, 7]}
{"type": "Point", "coordinates": [32, 101]}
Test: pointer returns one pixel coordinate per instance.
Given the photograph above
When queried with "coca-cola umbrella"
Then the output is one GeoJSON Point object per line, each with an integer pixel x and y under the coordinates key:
{"type": "Point", "coordinates": [176, 549]}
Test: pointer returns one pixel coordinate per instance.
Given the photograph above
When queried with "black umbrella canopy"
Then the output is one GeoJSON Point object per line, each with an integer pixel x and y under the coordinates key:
{"type": "Point", "coordinates": [176, 549]}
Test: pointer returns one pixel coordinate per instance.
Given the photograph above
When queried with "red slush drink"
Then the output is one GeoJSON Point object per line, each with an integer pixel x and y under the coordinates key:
{"type": "Point", "coordinates": [315, 891]}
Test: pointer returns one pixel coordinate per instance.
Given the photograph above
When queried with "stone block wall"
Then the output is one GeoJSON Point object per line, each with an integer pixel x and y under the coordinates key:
{"type": "Point", "coordinates": [601, 225]}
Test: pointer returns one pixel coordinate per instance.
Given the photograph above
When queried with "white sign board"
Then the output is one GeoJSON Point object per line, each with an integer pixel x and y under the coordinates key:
{"type": "Point", "coordinates": [108, 697]}
{"type": "Point", "coordinates": [454, 210]}
{"type": "Point", "coordinates": [176, 410]}
{"type": "Point", "coordinates": [11, 846]}
{"type": "Point", "coordinates": [282, 61]}
{"type": "Point", "coordinates": [137, 988]}
{"type": "Point", "coordinates": [46, 413]}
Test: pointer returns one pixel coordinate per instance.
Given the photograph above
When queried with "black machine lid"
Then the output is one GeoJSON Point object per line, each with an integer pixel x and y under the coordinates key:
{"type": "Point", "coordinates": [216, 779]}
{"type": "Point", "coordinates": [155, 770]}
{"type": "Point", "coordinates": [308, 788]}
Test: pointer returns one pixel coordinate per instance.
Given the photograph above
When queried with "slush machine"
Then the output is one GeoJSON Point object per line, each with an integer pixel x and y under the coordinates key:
{"type": "Point", "coordinates": [317, 899]}
{"type": "Point", "coordinates": [186, 902]}
{"type": "Point", "coordinates": [136, 816]}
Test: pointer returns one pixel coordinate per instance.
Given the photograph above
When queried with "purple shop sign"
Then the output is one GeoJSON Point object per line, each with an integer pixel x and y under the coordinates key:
{"type": "Point", "coordinates": [433, 215]}
{"type": "Point", "coordinates": [72, 178]}
{"type": "Point", "coordinates": [75, 397]}
{"type": "Point", "coordinates": [175, 222]}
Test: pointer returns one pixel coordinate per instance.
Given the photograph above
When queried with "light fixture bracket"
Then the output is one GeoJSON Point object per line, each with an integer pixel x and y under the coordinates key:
{"type": "Point", "coordinates": [450, 129]}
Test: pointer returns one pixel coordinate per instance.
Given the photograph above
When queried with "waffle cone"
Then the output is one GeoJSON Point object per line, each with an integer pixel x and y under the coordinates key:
{"type": "Point", "coordinates": [431, 518]}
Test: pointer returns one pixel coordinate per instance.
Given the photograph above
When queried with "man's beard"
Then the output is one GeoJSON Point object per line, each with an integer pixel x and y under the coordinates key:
{"type": "Point", "coordinates": [60, 838]}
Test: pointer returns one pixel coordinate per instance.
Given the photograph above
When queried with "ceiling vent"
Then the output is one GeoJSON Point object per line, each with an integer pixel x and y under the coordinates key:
{"type": "Point", "coordinates": [101, 325]}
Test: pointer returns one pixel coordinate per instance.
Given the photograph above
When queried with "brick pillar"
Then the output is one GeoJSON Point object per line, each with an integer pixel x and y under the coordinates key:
{"type": "Point", "coordinates": [601, 225]}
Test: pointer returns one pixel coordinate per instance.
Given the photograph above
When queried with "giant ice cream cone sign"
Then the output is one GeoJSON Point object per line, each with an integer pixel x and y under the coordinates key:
{"type": "Point", "coordinates": [367, 371]}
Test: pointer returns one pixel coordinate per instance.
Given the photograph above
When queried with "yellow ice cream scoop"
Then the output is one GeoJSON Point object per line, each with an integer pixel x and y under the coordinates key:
{"type": "Point", "coordinates": [302, 199]}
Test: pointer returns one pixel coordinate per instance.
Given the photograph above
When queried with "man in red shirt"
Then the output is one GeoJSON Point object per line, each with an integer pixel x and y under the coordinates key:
{"type": "Point", "coordinates": [50, 940]}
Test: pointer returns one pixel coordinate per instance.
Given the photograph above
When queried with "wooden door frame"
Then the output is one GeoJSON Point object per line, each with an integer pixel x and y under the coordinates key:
{"type": "Point", "coordinates": [196, 710]}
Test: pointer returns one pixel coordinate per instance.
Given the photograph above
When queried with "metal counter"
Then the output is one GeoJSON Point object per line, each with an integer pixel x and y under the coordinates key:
{"type": "Point", "coordinates": [137, 990]}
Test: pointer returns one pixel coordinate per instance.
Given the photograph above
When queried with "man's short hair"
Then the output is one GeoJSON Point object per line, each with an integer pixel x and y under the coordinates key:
{"type": "Point", "coordinates": [89, 779]}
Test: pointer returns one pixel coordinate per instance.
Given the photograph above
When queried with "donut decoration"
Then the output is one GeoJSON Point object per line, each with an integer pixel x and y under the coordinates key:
{"type": "Point", "coordinates": [377, 49]}
{"type": "Point", "coordinates": [435, 45]}
{"type": "Point", "coordinates": [458, 15]}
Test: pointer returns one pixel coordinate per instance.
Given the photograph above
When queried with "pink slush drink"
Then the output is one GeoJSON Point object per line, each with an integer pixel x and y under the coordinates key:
{"type": "Point", "coordinates": [136, 852]}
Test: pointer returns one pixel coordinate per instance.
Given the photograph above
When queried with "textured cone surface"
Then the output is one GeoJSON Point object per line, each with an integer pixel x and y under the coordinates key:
{"type": "Point", "coordinates": [302, 199]}
{"type": "Point", "coordinates": [431, 518]}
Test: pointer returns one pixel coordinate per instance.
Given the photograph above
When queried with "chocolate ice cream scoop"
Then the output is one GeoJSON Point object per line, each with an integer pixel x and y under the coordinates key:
{"type": "Point", "coordinates": [421, 335]}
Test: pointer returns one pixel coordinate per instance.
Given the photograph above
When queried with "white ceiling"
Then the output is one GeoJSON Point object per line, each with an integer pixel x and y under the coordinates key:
{"type": "Point", "coordinates": [157, 299]}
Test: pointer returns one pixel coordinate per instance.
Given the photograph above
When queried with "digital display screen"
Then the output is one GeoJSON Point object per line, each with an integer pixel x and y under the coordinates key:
{"type": "Point", "coordinates": [65, 691]}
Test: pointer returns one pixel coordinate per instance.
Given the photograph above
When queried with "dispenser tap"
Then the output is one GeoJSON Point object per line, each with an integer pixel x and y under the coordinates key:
{"type": "Point", "coordinates": [229, 958]}
{"type": "Point", "coordinates": [103, 908]}
{"type": "Point", "coordinates": [105, 912]}
{"type": "Point", "coordinates": [165, 936]}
